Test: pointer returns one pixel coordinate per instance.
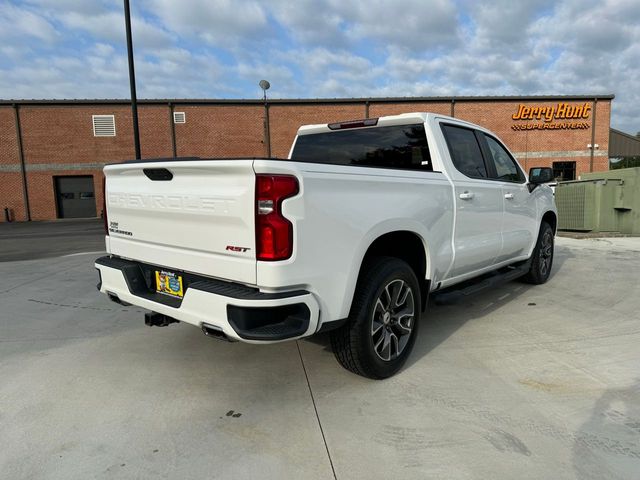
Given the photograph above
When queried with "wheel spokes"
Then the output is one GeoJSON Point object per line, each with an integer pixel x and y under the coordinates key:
{"type": "Point", "coordinates": [392, 322]}
{"type": "Point", "coordinates": [403, 293]}
{"type": "Point", "coordinates": [383, 346]}
{"type": "Point", "coordinates": [546, 252]}
{"type": "Point", "coordinates": [396, 290]}
{"type": "Point", "coordinates": [388, 296]}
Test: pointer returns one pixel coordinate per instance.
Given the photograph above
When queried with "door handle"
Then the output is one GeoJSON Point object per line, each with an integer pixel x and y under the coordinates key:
{"type": "Point", "coordinates": [466, 196]}
{"type": "Point", "coordinates": [508, 196]}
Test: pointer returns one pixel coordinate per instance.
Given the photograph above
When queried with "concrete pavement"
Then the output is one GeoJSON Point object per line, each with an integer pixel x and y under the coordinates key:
{"type": "Point", "coordinates": [517, 382]}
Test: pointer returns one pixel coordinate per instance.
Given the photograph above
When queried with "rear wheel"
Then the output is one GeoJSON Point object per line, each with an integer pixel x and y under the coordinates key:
{"type": "Point", "coordinates": [542, 258]}
{"type": "Point", "coordinates": [383, 321]}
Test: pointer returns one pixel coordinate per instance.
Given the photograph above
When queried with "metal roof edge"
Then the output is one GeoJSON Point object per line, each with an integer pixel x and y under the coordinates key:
{"type": "Point", "coordinates": [302, 101]}
{"type": "Point", "coordinates": [624, 134]}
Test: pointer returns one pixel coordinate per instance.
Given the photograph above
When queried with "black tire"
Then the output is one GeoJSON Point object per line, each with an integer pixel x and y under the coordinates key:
{"type": "Point", "coordinates": [542, 258]}
{"type": "Point", "coordinates": [380, 316]}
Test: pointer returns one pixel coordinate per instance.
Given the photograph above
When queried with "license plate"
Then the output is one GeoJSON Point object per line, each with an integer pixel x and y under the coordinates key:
{"type": "Point", "coordinates": [169, 283]}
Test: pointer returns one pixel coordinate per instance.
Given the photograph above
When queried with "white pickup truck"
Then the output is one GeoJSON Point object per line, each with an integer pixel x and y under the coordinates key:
{"type": "Point", "coordinates": [350, 234]}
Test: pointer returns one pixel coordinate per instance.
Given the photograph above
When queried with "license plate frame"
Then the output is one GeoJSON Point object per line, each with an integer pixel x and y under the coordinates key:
{"type": "Point", "coordinates": [169, 283]}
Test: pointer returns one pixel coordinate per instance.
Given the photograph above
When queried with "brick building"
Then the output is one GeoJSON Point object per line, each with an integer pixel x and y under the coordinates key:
{"type": "Point", "coordinates": [52, 151]}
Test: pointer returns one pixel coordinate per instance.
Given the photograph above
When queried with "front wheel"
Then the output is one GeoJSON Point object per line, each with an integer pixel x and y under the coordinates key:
{"type": "Point", "coordinates": [542, 258]}
{"type": "Point", "coordinates": [383, 321]}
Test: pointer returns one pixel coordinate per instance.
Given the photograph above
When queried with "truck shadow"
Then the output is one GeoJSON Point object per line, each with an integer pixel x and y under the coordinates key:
{"type": "Point", "coordinates": [439, 322]}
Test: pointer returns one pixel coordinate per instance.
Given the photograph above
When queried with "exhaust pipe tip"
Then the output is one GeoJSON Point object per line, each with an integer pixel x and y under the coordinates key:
{"type": "Point", "coordinates": [215, 332]}
{"type": "Point", "coordinates": [114, 298]}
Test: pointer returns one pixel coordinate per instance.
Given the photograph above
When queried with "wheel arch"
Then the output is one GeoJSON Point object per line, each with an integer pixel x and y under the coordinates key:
{"type": "Point", "coordinates": [552, 219]}
{"type": "Point", "coordinates": [407, 246]}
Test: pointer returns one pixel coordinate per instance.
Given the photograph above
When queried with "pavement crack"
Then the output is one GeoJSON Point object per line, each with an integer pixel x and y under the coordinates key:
{"type": "Point", "coordinates": [67, 305]}
{"type": "Point", "coordinates": [315, 408]}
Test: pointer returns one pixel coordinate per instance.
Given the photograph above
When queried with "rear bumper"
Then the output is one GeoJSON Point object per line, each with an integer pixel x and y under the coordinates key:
{"type": "Point", "coordinates": [242, 313]}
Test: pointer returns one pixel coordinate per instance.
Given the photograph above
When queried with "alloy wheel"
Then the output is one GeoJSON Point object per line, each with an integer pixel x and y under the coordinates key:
{"type": "Point", "coordinates": [392, 320]}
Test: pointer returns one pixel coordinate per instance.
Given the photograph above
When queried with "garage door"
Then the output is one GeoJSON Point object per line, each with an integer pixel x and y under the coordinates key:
{"type": "Point", "coordinates": [75, 197]}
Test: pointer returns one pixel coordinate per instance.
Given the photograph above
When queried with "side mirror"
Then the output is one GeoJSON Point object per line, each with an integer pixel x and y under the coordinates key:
{"type": "Point", "coordinates": [538, 175]}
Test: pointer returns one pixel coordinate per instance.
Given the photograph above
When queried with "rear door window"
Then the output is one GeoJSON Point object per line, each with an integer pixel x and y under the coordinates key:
{"type": "Point", "coordinates": [399, 146]}
{"type": "Point", "coordinates": [465, 151]}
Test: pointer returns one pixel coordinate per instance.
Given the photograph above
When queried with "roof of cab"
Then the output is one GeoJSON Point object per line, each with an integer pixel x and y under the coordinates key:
{"type": "Point", "coordinates": [389, 120]}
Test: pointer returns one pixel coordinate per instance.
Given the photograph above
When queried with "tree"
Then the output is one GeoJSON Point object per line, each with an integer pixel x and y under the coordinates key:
{"type": "Point", "coordinates": [624, 162]}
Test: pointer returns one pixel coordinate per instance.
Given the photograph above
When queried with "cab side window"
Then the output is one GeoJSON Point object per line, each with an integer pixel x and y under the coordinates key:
{"type": "Point", "coordinates": [465, 151]}
{"type": "Point", "coordinates": [506, 169]}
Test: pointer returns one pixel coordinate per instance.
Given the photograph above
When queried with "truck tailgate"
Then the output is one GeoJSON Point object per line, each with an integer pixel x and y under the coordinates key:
{"type": "Point", "coordinates": [191, 215]}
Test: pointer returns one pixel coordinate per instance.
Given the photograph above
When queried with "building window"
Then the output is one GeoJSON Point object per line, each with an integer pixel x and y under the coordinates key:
{"type": "Point", "coordinates": [104, 125]}
{"type": "Point", "coordinates": [179, 117]}
{"type": "Point", "coordinates": [564, 171]}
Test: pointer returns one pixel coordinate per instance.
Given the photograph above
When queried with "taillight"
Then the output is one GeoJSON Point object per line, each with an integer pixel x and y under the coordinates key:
{"type": "Point", "coordinates": [104, 205]}
{"type": "Point", "coordinates": [274, 233]}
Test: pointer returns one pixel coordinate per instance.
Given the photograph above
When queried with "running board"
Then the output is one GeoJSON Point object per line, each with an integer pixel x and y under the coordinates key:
{"type": "Point", "coordinates": [471, 287]}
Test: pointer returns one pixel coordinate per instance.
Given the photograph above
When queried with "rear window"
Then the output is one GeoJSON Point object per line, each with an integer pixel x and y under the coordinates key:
{"type": "Point", "coordinates": [399, 146]}
{"type": "Point", "coordinates": [465, 151]}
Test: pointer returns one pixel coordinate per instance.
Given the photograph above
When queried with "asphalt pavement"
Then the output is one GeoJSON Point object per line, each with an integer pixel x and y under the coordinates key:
{"type": "Point", "coordinates": [32, 240]}
{"type": "Point", "coordinates": [517, 382]}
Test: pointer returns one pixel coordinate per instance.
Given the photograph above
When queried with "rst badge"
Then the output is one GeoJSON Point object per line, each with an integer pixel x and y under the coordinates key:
{"type": "Point", "coordinates": [233, 248]}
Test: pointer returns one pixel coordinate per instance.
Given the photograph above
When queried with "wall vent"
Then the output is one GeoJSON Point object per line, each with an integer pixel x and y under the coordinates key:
{"type": "Point", "coordinates": [104, 125]}
{"type": "Point", "coordinates": [179, 117]}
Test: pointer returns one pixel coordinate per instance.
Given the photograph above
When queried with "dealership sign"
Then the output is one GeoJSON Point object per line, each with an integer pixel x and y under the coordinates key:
{"type": "Point", "coordinates": [557, 117]}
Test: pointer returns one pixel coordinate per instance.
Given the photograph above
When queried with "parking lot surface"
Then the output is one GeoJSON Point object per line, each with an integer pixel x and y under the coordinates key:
{"type": "Point", "coordinates": [31, 240]}
{"type": "Point", "coordinates": [517, 382]}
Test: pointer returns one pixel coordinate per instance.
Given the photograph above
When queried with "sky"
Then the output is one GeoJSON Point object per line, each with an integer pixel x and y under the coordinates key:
{"type": "Point", "coordinates": [56, 49]}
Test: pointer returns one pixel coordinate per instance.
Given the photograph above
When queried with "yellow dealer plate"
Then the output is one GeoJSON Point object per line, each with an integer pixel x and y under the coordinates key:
{"type": "Point", "coordinates": [169, 283]}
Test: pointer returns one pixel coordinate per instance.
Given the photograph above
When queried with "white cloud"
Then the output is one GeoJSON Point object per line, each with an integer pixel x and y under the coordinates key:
{"type": "Point", "coordinates": [408, 24]}
{"type": "Point", "coordinates": [326, 48]}
{"type": "Point", "coordinates": [218, 22]}
{"type": "Point", "coordinates": [312, 22]}
{"type": "Point", "coordinates": [109, 27]}
{"type": "Point", "coordinates": [78, 6]}
{"type": "Point", "coordinates": [103, 49]}
{"type": "Point", "coordinates": [17, 22]}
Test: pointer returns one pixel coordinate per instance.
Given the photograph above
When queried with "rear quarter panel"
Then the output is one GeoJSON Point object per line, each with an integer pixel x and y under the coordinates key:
{"type": "Point", "coordinates": [340, 211]}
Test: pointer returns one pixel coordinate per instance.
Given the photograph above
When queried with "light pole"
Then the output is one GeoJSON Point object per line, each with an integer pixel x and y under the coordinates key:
{"type": "Point", "coordinates": [264, 85]}
{"type": "Point", "coordinates": [132, 79]}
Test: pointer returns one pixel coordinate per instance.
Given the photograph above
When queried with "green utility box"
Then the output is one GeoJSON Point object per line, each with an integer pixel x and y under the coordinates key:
{"type": "Point", "coordinates": [601, 202]}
